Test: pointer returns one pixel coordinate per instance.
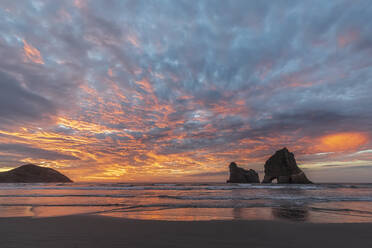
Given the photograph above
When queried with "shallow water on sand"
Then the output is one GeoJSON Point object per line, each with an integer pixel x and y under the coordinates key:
{"type": "Point", "coordinates": [211, 201]}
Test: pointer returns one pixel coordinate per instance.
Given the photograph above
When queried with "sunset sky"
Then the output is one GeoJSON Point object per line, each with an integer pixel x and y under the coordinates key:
{"type": "Point", "coordinates": [176, 90]}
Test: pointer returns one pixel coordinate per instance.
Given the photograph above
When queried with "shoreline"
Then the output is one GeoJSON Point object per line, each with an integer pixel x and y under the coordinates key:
{"type": "Point", "coordinates": [103, 231]}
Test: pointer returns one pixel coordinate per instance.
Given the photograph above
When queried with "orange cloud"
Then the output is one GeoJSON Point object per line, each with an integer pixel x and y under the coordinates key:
{"type": "Point", "coordinates": [297, 84]}
{"type": "Point", "coordinates": [133, 40]}
{"type": "Point", "coordinates": [145, 85]}
{"type": "Point", "coordinates": [79, 4]}
{"type": "Point", "coordinates": [110, 72]}
{"type": "Point", "coordinates": [342, 142]}
{"type": "Point", "coordinates": [83, 126]}
{"type": "Point", "coordinates": [31, 54]}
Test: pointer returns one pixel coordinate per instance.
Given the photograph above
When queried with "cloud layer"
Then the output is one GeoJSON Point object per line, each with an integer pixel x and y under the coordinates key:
{"type": "Point", "coordinates": [164, 90]}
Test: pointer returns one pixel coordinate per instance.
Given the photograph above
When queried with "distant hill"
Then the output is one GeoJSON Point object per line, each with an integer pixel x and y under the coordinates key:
{"type": "Point", "coordinates": [31, 173]}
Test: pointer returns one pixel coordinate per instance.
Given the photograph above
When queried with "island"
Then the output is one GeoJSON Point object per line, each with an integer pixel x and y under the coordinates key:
{"type": "Point", "coordinates": [31, 173]}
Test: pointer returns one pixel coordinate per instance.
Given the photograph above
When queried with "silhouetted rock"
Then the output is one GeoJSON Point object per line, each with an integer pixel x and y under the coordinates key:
{"type": "Point", "coordinates": [31, 173]}
{"type": "Point", "coordinates": [283, 167]}
{"type": "Point", "coordinates": [240, 175]}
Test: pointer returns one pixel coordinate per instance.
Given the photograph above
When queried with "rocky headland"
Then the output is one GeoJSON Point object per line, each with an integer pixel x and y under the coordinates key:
{"type": "Point", "coordinates": [31, 173]}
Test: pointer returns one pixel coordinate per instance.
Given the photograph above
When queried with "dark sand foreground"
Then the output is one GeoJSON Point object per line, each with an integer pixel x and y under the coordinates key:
{"type": "Point", "coordinates": [97, 231]}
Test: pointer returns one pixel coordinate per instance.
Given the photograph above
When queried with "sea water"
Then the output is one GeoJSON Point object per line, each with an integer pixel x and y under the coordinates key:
{"type": "Point", "coordinates": [189, 201]}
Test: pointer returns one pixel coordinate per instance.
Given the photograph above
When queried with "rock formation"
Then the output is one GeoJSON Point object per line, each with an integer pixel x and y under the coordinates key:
{"type": "Point", "coordinates": [240, 175]}
{"type": "Point", "coordinates": [283, 167]}
{"type": "Point", "coordinates": [31, 173]}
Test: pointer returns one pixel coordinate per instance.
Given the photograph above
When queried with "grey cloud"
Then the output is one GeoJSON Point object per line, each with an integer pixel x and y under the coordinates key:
{"type": "Point", "coordinates": [23, 150]}
{"type": "Point", "coordinates": [210, 174]}
{"type": "Point", "coordinates": [19, 105]}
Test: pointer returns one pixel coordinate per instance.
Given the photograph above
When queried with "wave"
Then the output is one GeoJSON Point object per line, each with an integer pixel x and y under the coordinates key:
{"type": "Point", "coordinates": [295, 198]}
{"type": "Point", "coordinates": [130, 207]}
{"type": "Point", "coordinates": [175, 186]}
{"type": "Point", "coordinates": [98, 188]}
{"type": "Point", "coordinates": [272, 197]}
{"type": "Point", "coordinates": [62, 205]}
{"type": "Point", "coordinates": [69, 195]}
{"type": "Point", "coordinates": [340, 210]}
{"type": "Point", "coordinates": [120, 207]}
{"type": "Point", "coordinates": [158, 187]}
{"type": "Point", "coordinates": [280, 197]}
{"type": "Point", "coordinates": [156, 207]}
{"type": "Point", "coordinates": [165, 184]}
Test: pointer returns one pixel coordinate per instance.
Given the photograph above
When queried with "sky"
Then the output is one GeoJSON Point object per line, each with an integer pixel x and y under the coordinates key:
{"type": "Point", "coordinates": [176, 90]}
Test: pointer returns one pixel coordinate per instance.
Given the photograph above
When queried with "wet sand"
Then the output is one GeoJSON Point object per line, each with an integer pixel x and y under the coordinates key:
{"type": "Point", "coordinates": [99, 231]}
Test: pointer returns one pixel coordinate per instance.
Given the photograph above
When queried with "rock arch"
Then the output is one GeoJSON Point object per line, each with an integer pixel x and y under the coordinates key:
{"type": "Point", "coordinates": [283, 167]}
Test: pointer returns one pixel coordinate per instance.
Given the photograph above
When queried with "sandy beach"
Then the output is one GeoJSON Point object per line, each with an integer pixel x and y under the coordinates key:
{"type": "Point", "coordinates": [99, 231]}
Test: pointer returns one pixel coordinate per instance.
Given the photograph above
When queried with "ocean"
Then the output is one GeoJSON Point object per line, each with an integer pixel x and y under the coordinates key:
{"type": "Point", "coordinates": [325, 203]}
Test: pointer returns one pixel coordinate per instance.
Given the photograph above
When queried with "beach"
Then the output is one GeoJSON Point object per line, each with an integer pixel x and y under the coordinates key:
{"type": "Point", "coordinates": [100, 231]}
{"type": "Point", "coordinates": [185, 215]}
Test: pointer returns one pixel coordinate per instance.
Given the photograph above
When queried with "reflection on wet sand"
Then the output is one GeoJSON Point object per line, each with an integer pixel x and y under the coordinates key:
{"type": "Point", "coordinates": [251, 214]}
{"type": "Point", "coordinates": [300, 213]}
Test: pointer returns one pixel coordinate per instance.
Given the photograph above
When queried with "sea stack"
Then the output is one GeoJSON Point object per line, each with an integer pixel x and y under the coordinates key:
{"type": "Point", "coordinates": [283, 167]}
{"type": "Point", "coordinates": [31, 173]}
{"type": "Point", "coordinates": [240, 175]}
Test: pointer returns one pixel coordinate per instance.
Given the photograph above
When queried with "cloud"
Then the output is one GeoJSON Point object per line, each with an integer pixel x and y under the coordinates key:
{"type": "Point", "coordinates": [342, 142]}
{"type": "Point", "coordinates": [19, 105]}
{"type": "Point", "coordinates": [161, 89]}
{"type": "Point", "coordinates": [26, 151]}
{"type": "Point", "coordinates": [210, 174]}
{"type": "Point", "coordinates": [32, 54]}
